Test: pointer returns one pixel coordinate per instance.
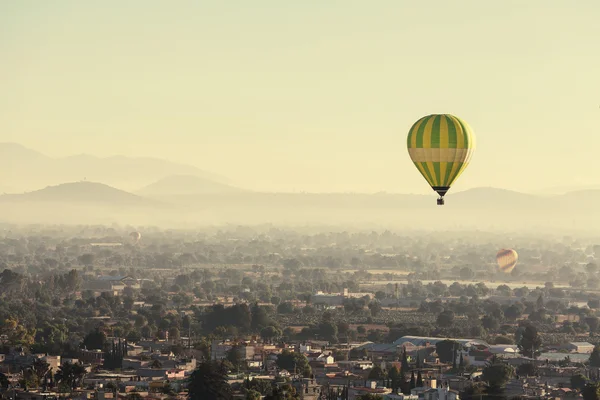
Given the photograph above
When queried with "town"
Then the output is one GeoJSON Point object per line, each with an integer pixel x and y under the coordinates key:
{"type": "Point", "coordinates": [264, 313]}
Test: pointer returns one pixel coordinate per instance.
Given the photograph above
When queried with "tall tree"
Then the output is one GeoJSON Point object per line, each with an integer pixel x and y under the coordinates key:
{"type": "Point", "coordinates": [496, 375]}
{"type": "Point", "coordinates": [394, 375]}
{"type": "Point", "coordinates": [71, 375]}
{"type": "Point", "coordinates": [95, 340]}
{"type": "Point", "coordinates": [209, 382]}
{"type": "Point", "coordinates": [591, 392]}
{"type": "Point", "coordinates": [595, 357]}
{"type": "Point", "coordinates": [530, 342]}
{"type": "Point", "coordinates": [446, 350]}
{"type": "Point", "coordinates": [405, 366]}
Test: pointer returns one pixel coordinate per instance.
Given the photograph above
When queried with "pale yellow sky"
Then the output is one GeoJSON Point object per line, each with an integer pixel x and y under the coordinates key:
{"type": "Point", "coordinates": [307, 95]}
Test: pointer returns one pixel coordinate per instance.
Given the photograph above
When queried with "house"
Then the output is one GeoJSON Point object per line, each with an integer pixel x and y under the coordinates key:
{"type": "Point", "coordinates": [441, 394]}
{"type": "Point", "coordinates": [320, 357]}
{"type": "Point", "coordinates": [112, 283]}
{"type": "Point", "coordinates": [392, 396]}
{"type": "Point", "coordinates": [579, 347]}
{"type": "Point", "coordinates": [371, 387]}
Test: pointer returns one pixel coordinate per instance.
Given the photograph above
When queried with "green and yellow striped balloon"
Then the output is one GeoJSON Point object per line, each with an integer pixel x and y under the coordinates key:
{"type": "Point", "coordinates": [441, 146]}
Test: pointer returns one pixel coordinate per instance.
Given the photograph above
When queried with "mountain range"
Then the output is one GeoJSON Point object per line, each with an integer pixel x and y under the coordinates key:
{"type": "Point", "coordinates": [90, 202]}
{"type": "Point", "coordinates": [29, 170]}
{"type": "Point", "coordinates": [157, 192]}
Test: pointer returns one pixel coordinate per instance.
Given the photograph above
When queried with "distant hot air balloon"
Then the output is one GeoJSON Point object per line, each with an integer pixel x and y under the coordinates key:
{"type": "Point", "coordinates": [507, 259]}
{"type": "Point", "coordinates": [135, 236]}
{"type": "Point", "coordinates": [441, 146]}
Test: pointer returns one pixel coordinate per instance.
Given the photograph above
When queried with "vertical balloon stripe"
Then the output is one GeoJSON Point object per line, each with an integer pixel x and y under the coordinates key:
{"type": "Point", "coordinates": [431, 172]}
{"type": "Point", "coordinates": [467, 132]}
{"type": "Point", "coordinates": [452, 140]}
{"type": "Point", "coordinates": [444, 136]}
{"type": "Point", "coordinates": [443, 172]}
{"type": "Point", "coordinates": [427, 133]}
{"type": "Point", "coordinates": [412, 136]}
{"type": "Point", "coordinates": [449, 167]}
{"type": "Point", "coordinates": [427, 174]}
{"type": "Point", "coordinates": [436, 132]}
{"type": "Point", "coordinates": [438, 173]}
{"type": "Point", "coordinates": [419, 135]}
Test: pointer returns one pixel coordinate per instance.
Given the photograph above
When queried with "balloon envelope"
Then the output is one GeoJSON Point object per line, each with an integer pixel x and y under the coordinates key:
{"type": "Point", "coordinates": [507, 259]}
{"type": "Point", "coordinates": [135, 236]}
{"type": "Point", "coordinates": [441, 146]}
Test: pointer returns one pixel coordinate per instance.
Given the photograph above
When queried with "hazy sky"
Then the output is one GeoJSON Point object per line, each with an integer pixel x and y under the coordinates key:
{"type": "Point", "coordinates": [310, 95]}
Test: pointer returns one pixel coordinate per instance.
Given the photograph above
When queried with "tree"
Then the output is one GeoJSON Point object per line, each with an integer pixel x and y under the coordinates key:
{"type": "Point", "coordinates": [593, 323]}
{"type": "Point", "coordinates": [594, 303]}
{"type": "Point", "coordinates": [578, 381]}
{"type": "Point", "coordinates": [490, 322]}
{"type": "Point", "coordinates": [418, 362]}
{"type": "Point", "coordinates": [328, 330]}
{"type": "Point", "coordinates": [503, 340]}
{"type": "Point", "coordinates": [370, 396]}
{"type": "Point", "coordinates": [95, 340]}
{"type": "Point", "coordinates": [377, 373]}
{"type": "Point", "coordinates": [285, 308]}
{"type": "Point", "coordinates": [253, 395]}
{"type": "Point", "coordinates": [528, 369]}
{"type": "Point", "coordinates": [260, 318]}
{"type": "Point", "coordinates": [595, 357]}
{"type": "Point", "coordinates": [270, 333]}
{"type": "Point", "coordinates": [394, 376]}
{"type": "Point", "coordinates": [445, 318]}
{"type": "Point", "coordinates": [591, 391]}
{"type": "Point", "coordinates": [496, 376]}
{"type": "Point", "coordinates": [446, 350]}
{"type": "Point", "coordinates": [4, 382]}
{"type": "Point", "coordinates": [174, 334]}
{"type": "Point", "coordinates": [294, 361]}
{"type": "Point", "coordinates": [530, 342]}
{"type": "Point", "coordinates": [209, 382]}
{"type": "Point", "coordinates": [86, 259]}
{"type": "Point", "coordinates": [40, 369]}
{"type": "Point", "coordinates": [513, 312]}
{"type": "Point", "coordinates": [540, 302]}
{"type": "Point", "coordinates": [234, 357]}
{"type": "Point", "coordinates": [404, 360]}
{"type": "Point", "coordinates": [375, 307]}
{"type": "Point", "coordinates": [419, 379]}
{"type": "Point", "coordinates": [70, 375]}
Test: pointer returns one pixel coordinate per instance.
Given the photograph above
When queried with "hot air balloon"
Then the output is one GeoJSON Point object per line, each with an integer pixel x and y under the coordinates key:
{"type": "Point", "coordinates": [441, 146]}
{"type": "Point", "coordinates": [135, 236]}
{"type": "Point", "coordinates": [507, 259]}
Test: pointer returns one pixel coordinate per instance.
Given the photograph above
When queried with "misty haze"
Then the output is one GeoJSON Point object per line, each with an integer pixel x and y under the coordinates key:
{"type": "Point", "coordinates": [275, 200]}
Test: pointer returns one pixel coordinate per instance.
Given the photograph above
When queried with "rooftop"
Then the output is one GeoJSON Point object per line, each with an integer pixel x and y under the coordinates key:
{"type": "Point", "coordinates": [422, 340]}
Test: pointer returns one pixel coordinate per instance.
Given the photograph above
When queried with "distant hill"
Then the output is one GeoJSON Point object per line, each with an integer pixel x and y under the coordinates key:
{"type": "Point", "coordinates": [176, 185]}
{"type": "Point", "coordinates": [560, 190]}
{"type": "Point", "coordinates": [79, 192]}
{"type": "Point", "coordinates": [494, 198]}
{"type": "Point", "coordinates": [31, 170]}
{"type": "Point", "coordinates": [480, 208]}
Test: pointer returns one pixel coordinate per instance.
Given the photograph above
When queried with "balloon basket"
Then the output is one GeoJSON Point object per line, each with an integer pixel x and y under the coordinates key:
{"type": "Point", "coordinates": [440, 201]}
